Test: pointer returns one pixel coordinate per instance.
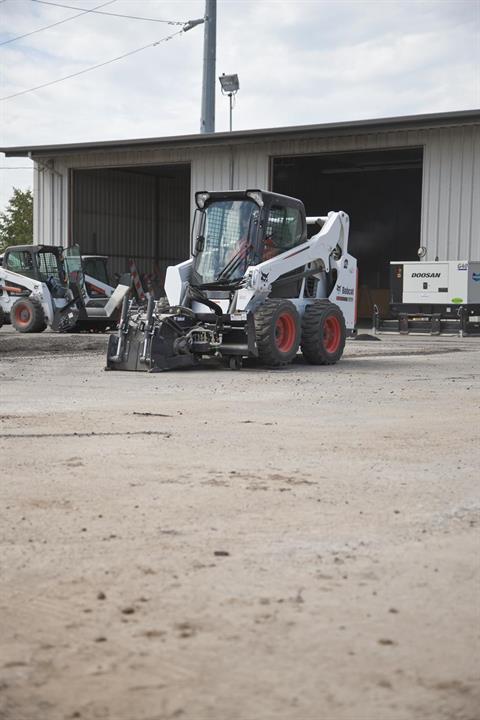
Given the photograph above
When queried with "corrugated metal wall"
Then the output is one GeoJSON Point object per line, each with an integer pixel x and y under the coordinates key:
{"type": "Point", "coordinates": [451, 178]}
{"type": "Point", "coordinates": [451, 194]}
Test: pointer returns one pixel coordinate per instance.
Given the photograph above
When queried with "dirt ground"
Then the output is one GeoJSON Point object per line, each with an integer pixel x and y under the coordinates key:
{"type": "Point", "coordinates": [294, 544]}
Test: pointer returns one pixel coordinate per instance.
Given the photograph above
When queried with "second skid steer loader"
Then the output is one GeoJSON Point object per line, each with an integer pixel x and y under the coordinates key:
{"type": "Point", "coordinates": [45, 286]}
{"type": "Point", "coordinates": [256, 287]}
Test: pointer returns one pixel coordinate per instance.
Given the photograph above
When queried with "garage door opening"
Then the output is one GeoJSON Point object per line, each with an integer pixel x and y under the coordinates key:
{"type": "Point", "coordinates": [380, 190]}
{"type": "Point", "coordinates": [141, 213]}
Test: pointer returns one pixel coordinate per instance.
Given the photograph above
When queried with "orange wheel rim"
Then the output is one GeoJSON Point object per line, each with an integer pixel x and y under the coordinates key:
{"type": "Point", "coordinates": [22, 315]}
{"type": "Point", "coordinates": [285, 332]}
{"type": "Point", "coordinates": [332, 334]}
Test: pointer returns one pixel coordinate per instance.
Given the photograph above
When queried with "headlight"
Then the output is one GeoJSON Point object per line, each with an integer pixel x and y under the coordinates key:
{"type": "Point", "coordinates": [201, 198]}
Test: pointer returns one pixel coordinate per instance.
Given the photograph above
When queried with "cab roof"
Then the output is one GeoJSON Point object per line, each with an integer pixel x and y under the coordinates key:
{"type": "Point", "coordinates": [35, 248]}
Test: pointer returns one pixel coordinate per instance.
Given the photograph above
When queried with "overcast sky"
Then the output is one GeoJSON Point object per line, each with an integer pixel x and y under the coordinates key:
{"type": "Point", "coordinates": [299, 62]}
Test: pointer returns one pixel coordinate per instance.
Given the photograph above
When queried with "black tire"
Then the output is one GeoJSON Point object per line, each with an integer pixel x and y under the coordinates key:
{"type": "Point", "coordinates": [277, 332]}
{"type": "Point", "coordinates": [27, 316]}
{"type": "Point", "coordinates": [323, 333]}
{"type": "Point", "coordinates": [2, 317]}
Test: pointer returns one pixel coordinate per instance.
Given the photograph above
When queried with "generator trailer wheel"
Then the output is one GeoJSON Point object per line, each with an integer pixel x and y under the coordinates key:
{"type": "Point", "coordinates": [27, 316]}
{"type": "Point", "coordinates": [323, 333]}
{"type": "Point", "coordinates": [277, 331]}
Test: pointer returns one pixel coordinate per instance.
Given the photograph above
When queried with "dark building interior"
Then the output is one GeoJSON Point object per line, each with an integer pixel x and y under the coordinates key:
{"type": "Point", "coordinates": [141, 213]}
{"type": "Point", "coordinates": [380, 190]}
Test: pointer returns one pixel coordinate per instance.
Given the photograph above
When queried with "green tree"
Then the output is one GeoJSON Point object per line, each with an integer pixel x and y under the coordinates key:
{"type": "Point", "coordinates": [16, 223]}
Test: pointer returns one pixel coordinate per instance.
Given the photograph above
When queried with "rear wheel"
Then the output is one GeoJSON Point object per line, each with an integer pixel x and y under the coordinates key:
{"type": "Point", "coordinates": [277, 330]}
{"type": "Point", "coordinates": [2, 317]}
{"type": "Point", "coordinates": [323, 333]}
{"type": "Point", "coordinates": [27, 316]}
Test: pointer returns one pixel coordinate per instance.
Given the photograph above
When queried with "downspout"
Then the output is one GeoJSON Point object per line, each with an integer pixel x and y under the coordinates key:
{"type": "Point", "coordinates": [232, 166]}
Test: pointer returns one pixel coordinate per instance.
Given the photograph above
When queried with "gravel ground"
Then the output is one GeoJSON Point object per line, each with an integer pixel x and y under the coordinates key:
{"type": "Point", "coordinates": [297, 544]}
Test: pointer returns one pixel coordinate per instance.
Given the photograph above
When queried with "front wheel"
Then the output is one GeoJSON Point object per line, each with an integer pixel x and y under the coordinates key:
{"type": "Point", "coordinates": [277, 331]}
{"type": "Point", "coordinates": [27, 316]}
{"type": "Point", "coordinates": [323, 333]}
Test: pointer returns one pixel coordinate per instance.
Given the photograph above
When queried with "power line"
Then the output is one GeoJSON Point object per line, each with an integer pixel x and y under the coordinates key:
{"type": "Point", "coordinates": [185, 28]}
{"type": "Point", "coordinates": [99, 12]}
{"type": "Point", "coordinates": [46, 27]}
{"type": "Point", "coordinates": [12, 167]}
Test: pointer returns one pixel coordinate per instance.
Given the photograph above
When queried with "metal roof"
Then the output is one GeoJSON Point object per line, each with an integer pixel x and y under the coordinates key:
{"type": "Point", "coordinates": [405, 122]}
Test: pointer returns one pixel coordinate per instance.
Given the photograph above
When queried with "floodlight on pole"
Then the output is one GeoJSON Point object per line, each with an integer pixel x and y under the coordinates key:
{"type": "Point", "coordinates": [230, 86]}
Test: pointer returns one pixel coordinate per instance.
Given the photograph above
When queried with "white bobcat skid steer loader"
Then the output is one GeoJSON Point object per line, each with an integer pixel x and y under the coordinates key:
{"type": "Point", "coordinates": [44, 286]}
{"type": "Point", "coordinates": [256, 287]}
{"type": "Point", "coordinates": [38, 290]}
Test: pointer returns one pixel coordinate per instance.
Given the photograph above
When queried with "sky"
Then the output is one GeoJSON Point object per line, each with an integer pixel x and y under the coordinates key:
{"type": "Point", "coordinates": [299, 62]}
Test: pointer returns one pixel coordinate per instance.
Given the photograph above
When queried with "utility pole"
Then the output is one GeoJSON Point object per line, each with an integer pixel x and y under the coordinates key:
{"type": "Point", "coordinates": [207, 120]}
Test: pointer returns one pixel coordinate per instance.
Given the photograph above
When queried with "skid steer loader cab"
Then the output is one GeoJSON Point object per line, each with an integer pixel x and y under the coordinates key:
{"type": "Point", "coordinates": [237, 229]}
{"type": "Point", "coordinates": [38, 262]}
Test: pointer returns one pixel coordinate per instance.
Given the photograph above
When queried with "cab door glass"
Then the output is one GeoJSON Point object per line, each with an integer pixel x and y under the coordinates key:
{"type": "Point", "coordinates": [73, 266]}
{"type": "Point", "coordinates": [48, 266]}
{"type": "Point", "coordinates": [284, 230]}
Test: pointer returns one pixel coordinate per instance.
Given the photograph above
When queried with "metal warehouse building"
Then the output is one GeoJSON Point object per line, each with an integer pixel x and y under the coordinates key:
{"type": "Point", "coordinates": [406, 182]}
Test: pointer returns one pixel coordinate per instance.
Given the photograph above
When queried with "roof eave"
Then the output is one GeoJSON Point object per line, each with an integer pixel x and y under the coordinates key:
{"type": "Point", "coordinates": [417, 122]}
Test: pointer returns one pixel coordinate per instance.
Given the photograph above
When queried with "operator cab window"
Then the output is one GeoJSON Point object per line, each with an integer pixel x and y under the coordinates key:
{"type": "Point", "coordinates": [96, 268]}
{"type": "Point", "coordinates": [227, 229]}
{"type": "Point", "coordinates": [284, 230]}
{"type": "Point", "coordinates": [20, 261]}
